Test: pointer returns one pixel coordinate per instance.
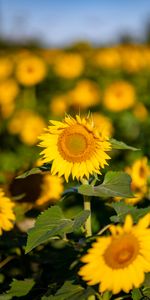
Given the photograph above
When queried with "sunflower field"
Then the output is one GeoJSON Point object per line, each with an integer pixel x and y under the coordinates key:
{"type": "Point", "coordinates": [75, 173]}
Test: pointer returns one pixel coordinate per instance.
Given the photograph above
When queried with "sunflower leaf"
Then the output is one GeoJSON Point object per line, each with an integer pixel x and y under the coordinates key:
{"type": "Point", "coordinates": [70, 291]}
{"type": "Point", "coordinates": [18, 288]}
{"type": "Point", "coordinates": [49, 223]}
{"type": "Point", "coordinates": [121, 145]}
{"type": "Point", "coordinates": [115, 184]}
{"type": "Point", "coordinates": [52, 223]}
{"type": "Point", "coordinates": [36, 170]}
{"type": "Point", "coordinates": [122, 209]}
{"type": "Point", "coordinates": [136, 294]}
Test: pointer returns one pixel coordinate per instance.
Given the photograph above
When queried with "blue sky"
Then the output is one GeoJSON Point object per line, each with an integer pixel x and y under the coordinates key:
{"type": "Point", "coordinates": [58, 22]}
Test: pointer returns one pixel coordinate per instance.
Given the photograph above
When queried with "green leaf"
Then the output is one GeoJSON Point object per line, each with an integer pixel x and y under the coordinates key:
{"type": "Point", "coordinates": [70, 291]}
{"type": "Point", "coordinates": [115, 184]}
{"type": "Point", "coordinates": [121, 145]}
{"type": "Point", "coordinates": [122, 209]}
{"type": "Point", "coordinates": [49, 223]}
{"type": "Point", "coordinates": [20, 288]}
{"type": "Point", "coordinates": [80, 219]}
{"type": "Point", "coordinates": [147, 280]}
{"type": "Point", "coordinates": [29, 172]}
{"type": "Point", "coordinates": [5, 297]}
{"type": "Point", "coordinates": [52, 223]}
{"type": "Point", "coordinates": [37, 170]}
{"type": "Point", "coordinates": [136, 294]}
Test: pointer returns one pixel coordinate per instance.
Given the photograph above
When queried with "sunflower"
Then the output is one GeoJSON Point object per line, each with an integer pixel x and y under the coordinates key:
{"type": "Point", "coordinates": [6, 67]}
{"type": "Point", "coordinates": [69, 65]}
{"type": "Point", "coordinates": [120, 95]}
{"type": "Point", "coordinates": [6, 213]}
{"type": "Point", "coordinates": [119, 261]}
{"type": "Point", "coordinates": [85, 94]}
{"type": "Point", "coordinates": [30, 70]}
{"type": "Point", "coordinates": [51, 189]}
{"type": "Point", "coordinates": [75, 147]}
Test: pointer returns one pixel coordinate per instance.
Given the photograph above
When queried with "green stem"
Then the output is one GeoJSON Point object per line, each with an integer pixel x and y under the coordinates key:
{"type": "Point", "coordinates": [87, 206]}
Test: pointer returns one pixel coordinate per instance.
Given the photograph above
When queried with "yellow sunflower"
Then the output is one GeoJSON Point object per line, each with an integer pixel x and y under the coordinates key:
{"type": "Point", "coordinates": [51, 189]}
{"type": "Point", "coordinates": [6, 213]}
{"type": "Point", "coordinates": [120, 95]}
{"type": "Point", "coordinates": [75, 148]}
{"type": "Point", "coordinates": [119, 261]}
{"type": "Point", "coordinates": [69, 65]}
{"type": "Point", "coordinates": [30, 70]}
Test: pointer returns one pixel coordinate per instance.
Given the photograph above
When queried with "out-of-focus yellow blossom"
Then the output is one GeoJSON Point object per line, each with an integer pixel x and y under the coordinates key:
{"type": "Point", "coordinates": [85, 94]}
{"type": "Point", "coordinates": [139, 173]}
{"type": "Point", "coordinates": [50, 55]}
{"type": "Point", "coordinates": [8, 91]}
{"type": "Point", "coordinates": [58, 105]}
{"type": "Point", "coordinates": [51, 189]}
{"type": "Point", "coordinates": [103, 123]}
{"type": "Point", "coordinates": [69, 65]}
{"type": "Point", "coordinates": [28, 125]}
{"type": "Point", "coordinates": [118, 96]}
{"type": "Point", "coordinates": [132, 59]}
{"type": "Point", "coordinates": [140, 111]}
{"type": "Point", "coordinates": [108, 58]}
{"type": "Point", "coordinates": [6, 67]}
{"type": "Point", "coordinates": [6, 213]}
{"type": "Point", "coordinates": [30, 70]}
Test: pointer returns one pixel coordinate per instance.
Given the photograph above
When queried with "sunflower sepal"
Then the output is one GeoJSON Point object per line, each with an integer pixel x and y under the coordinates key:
{"type": "Point", "coordinates": [114, 184]}
{"type": "Point", "coordinates": [36, 170]}
{"type": "Point", "coordinates": [121, 145]}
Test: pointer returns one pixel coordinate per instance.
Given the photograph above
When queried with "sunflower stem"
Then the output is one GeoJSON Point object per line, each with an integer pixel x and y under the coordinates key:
{"type": "Point", "coordinates": [87, 206]}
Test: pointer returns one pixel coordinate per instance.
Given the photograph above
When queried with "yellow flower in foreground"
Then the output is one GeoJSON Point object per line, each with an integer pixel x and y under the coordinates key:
{"type": "Point", "coordinates": [85, 94]}
{"type": "Point", "coordinates": [6, 213]}
{"type": "Point", "coordinates": [69, 65]}
{"type": "Point", "coordinates": [119, 261]}
{"type": "Point", "coordinates": [51, 189]}
{"type": "Point", "coordinates": [119, 96]}
{"type": "Point", "coordinates": [75, 148]}
{"type": "Point", "coordinates": [30, 70]}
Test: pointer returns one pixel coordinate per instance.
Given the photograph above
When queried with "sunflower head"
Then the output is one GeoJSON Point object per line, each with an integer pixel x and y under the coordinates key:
{"type": "Point", "coordinates": [119, 261]}
{"type": "Point", "coordinates": [75, 147]}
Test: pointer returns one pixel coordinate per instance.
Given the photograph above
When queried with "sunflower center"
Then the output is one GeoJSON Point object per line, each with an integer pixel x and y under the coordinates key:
{"type": "Point", "coordinates": [76, 143]}
{"type": "Point", "coordinates": [122, 251]}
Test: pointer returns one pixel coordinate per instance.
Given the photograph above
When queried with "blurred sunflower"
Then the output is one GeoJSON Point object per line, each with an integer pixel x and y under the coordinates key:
{"type": "Point", "coordinates": [140, 111]}
{"type": "Point", "coordinates": [119, 261]}
{"type": "Point", "coordinates": [28, 125]}
{"type": "Point", "coordinates": [132, 59]}
{"type": "Point", "coordinates": [139, 173]}
{"type": "Point", "coordinates": [119, 96]}
{"type": "Point", "coordinates": [6, 213]}
{"type": "Point", "coordinates": [103, 124]}
{"type": "Point", "coordinates": [51, 189]}
{"type": "Point", "coordinates": [6, 67]}
{"type": "Point", "coordinates": [44, 189]}
{"type": "Point", "coordinates": [75, 148]}
{"type": "Point", "coordinates": [9, 90]}
{"type": "Point", "coordinates": [30, 70]}
{"type": "Point", "coordinates": [69, 65]}
{"type": "Point", "coordinates": [85, 94]}
{"type": "Point", "coordinates": [108, 58]}
{"type": "Point", "coordinates": [58, 105]}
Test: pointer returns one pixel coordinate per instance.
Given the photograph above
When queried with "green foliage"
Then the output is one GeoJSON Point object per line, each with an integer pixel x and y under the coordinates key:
{"type": "Point", "coordinates": [115, 184]}
{"type": "Point", "coordinates": [121, 145]}
{"type": "Point", "coordinates": [52, 223]}
{"type": "Point", "coordinates": [122, 209]}
{"type": "Point", "coordinates": [70, 291]}
{"type": "Point", "coordinates": [18, 288]}
{"type": "Point", "coordinates": [136, 294]}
